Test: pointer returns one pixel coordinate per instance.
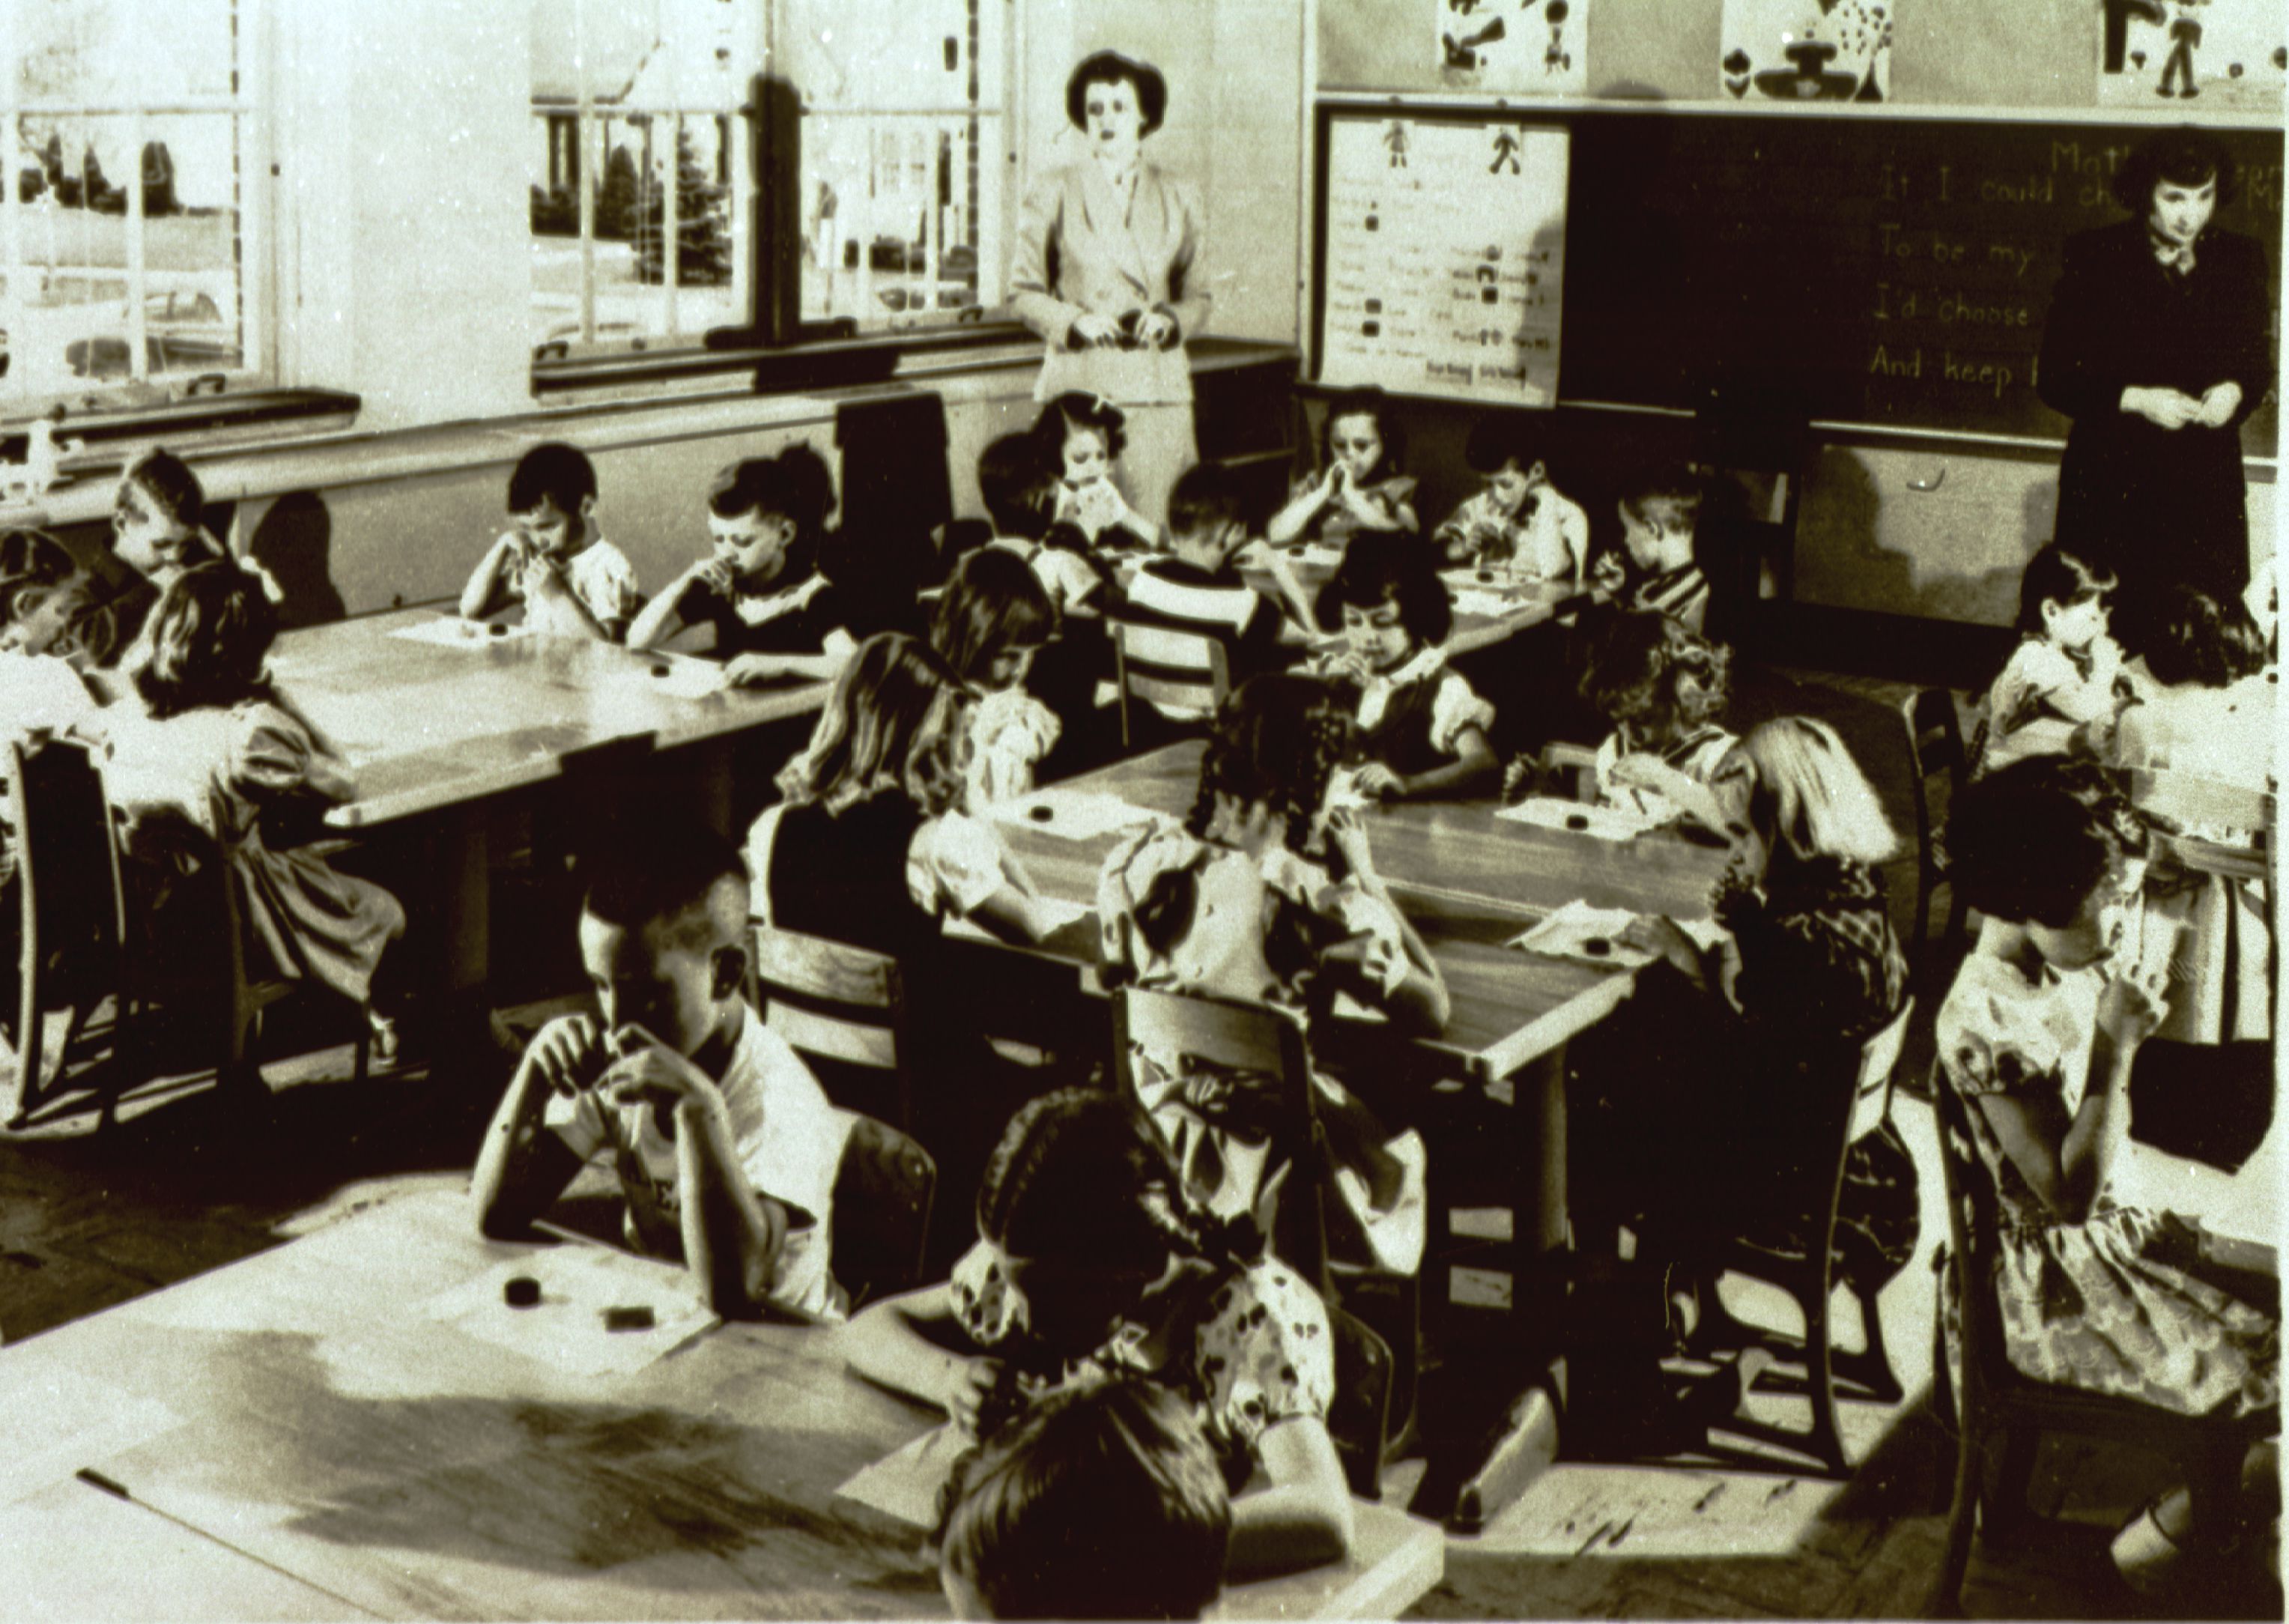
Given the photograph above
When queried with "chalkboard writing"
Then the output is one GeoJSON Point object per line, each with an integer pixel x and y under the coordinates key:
{"type": "Point", "coordinates": [1884, 272]}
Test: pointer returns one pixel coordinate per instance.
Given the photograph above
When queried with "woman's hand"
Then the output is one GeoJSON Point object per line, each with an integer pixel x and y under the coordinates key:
{"type": "Point", "coordinates": [2131, 1007]}
{"type": "Point", "coordinates": [1156, 329]}
{"type": "Point", "coordinates": [1374, 779]}
{"type": "Point", "coordinates": [1091, 331]}
{"type": "Point", "coordinates": [2163, 408]}
{"type": "Point", "coordinates": [2218, 405]}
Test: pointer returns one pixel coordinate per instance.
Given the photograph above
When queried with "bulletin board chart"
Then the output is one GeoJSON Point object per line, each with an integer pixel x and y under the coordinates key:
{"type": "Point", "coordinates": [1441, 255]}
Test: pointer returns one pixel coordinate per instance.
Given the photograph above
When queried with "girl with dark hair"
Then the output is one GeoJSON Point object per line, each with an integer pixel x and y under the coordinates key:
{"type": "Point", "coordinates": [1230, 905]}
{"type": "Point", "coordinates": [1089, 1261]}
{"type": "Point", "coordinates": [221, 750]}
{"type": "Point", "coordinates": [2156, 346]}
{"type": "Point", "coordinates": [2036, 1039]}
{"type": "Point", "coordinates": [1081, 437]}
{"type": "Point", "coordinates": [1420, 728]}
{"type": "Point", "coordinates": [759, 589]}
{"type": "Point", "coordinates": [2060, 690]}
{"type": "Point", "coordinates": [1361, 483]}
{"type": "Point", "coordinates": [1107, 268]}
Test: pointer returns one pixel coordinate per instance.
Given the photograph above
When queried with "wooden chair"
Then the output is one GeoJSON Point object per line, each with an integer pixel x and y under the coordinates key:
{"type": "Point", "coordinates": [2000, 1414]}
{"type": "Point", "coordinates": [1243, 1038]}
{"type": "Point", "coordinates": [71, 909]}
{"type": "Point", "coordinates": [1157, 665]}
{"type": "Point", "coordinates": [1358, 1421]}
{"type": "Point", "coordinates": [1857, 1110]}
{"type": "Point", "coordinates": [844, 1008]}
{"type": "Point", "coordinates": [882, 1195]}
{"type": "Point", "coordinates": [1744, 431]}
{"type": "Point", "coordinates": [1935, 748]}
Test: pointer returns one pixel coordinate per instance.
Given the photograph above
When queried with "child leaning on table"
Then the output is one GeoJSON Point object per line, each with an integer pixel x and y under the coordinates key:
{"type": "Point", "coordinates": [2061, 689]}
{"type": "Point", "coordinates": [1664, 688]}
{"type": "Point", "coordinates": [1361, 484]}
{"type": "Point", "coordinates": [724, 1146]}
{"type": "Point", "coordinates": [555, 560]}
{"type": "Point", "coordinates": [990, 622]}
{"type": "Point", "coordinates": [1102, 1500]}
{"type": "Point", "coordinates": [1418, 727]}
{"type": "Point", "coordinates": [760, 590]}
{"type": "Point", "coordinates": [1089, 1261]}
{"type": "Point", "coordinates": [1021, 488]}
{"type": "Point", "coordinates": [1657, 568]}
{"type": "Point", "coordinates": [1517, 523]}
{"type": "Point", "coordinates": [207, 743]}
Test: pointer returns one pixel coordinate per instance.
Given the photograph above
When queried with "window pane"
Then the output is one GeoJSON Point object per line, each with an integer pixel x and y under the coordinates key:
{"type": "Point", "coordinates": [661, 154]}
{"type": "Point", "coordinates": [114, 52]}
{"type": "Point", "coordinates": [70, 288]}
{"type": "Point", "coordinates": [901, 158]}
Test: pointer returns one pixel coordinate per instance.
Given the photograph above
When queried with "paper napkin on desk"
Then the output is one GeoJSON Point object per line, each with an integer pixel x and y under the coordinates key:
{"type": "Point", "coordinates": [1492, 604]}
{"type": "Point", "coordinates": [1582, 818]}
{"type": "Point", "coordinates": [451, 631]}
{"type": "Point", "coordinates": [1073, 815]}
{"type": "Point", "coordinates": [1591, 935]}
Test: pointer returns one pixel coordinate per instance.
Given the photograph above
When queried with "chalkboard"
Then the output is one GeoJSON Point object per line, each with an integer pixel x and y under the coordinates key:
{"type": "Point", "coordinates": [1893, 272]}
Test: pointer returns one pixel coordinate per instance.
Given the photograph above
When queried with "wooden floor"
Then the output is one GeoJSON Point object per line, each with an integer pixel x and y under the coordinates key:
{"type": "Point", "coordinates": [188, 1182]}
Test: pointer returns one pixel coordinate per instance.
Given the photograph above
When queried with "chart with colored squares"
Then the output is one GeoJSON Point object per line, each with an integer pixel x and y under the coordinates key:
{"type": "Point", "coordinates": [1444, 258]}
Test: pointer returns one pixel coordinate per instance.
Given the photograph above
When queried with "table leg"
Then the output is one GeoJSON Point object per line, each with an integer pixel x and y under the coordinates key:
{"type": "Point", "coordinates": [465, 862]}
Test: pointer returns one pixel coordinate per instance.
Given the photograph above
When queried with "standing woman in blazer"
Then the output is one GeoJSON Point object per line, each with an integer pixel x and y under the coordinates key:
{"type": "Point", "coordinates": [2156, 347]}
{"type": "Point", "coordinates": [1108, 270]}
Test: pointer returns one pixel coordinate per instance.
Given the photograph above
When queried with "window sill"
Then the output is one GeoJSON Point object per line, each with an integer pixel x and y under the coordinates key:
{"type": "Point", "coordinates": [207, 417]}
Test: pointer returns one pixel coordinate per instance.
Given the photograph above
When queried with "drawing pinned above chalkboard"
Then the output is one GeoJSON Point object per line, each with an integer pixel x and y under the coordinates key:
{"type": "Point", "coordinates": [2215, 55]}
{"type": "Point", "coordinates": [1532, 47]}
{"type": "Point", "coordinates": [1807, 50]}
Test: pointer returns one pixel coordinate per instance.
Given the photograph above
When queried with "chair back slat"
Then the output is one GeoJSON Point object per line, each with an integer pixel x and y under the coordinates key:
{"type": "Point", "coordinates": [843, 1008]}
{"type": "Point", "coordinates": [1934, 739]}
{"type": "Point", "coordinates": [851, 1042]}
{"type": "Point", "coordinates": [1879, 1057]}
{"type": "Point", "coordinates": [1181, 674]}
{"type": "Point", "coordinates": [1247, 1036]}
{"type": "Point", "coordinates": [1167, 648]}
{"type": "Point", "coordinates": [833, 972]}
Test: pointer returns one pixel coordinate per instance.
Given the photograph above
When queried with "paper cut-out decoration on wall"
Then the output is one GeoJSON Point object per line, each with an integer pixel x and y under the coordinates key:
{"type": "Point", "coordinates": [1531, 47]}
{"type": "Point", "coordinates": [2210, 55]}
{"type": "Point", "coordinates": [1807, 50]}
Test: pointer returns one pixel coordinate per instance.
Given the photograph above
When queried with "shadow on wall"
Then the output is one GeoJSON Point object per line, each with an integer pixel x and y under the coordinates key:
{"type": "Point", "coordinates": [1850, 515]}
{"type": "Point", "coordinates": [294, 542]}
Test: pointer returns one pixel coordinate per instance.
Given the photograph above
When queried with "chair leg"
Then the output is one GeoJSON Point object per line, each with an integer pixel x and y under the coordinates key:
{"type": "Point", "coordinates": [1945, 1600]}
{"type": "Point", "coordinates": [2007, 1509]}
{"type": "Point", "coordinates": [1824, 1438]}
{"type": "Point", "coordinates": [29, 1026]}
{"type": "Point", "coordinates": [1870, 1369]}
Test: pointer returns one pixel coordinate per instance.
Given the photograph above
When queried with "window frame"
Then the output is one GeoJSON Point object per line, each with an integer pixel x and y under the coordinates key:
{"type": "Point", "coordinates": [783, 351]}
{"type": "Point", "coordinates": [256, 246]}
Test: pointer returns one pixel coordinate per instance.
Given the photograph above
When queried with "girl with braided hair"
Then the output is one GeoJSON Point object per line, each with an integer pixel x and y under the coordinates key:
{"type": "Point", "coordinates": [1089, 1262]}
{"type": "Point", "coordinates": [1232, 905]}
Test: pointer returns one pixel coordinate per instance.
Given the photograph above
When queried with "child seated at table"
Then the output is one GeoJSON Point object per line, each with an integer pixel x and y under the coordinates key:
{"type": "Point", "coordinates": [1089, 1261]}
{"type": "Point", "coordinates": [1228, 905]}
{"type": "Point", "coordinates": [990, 621]}
{"type": "Point", "coordinates": [1419, 730]}
{"type": "Point", "coordinates": [2035, 1040]}
{"type": "Point", "coordinates": [1360, 483]}
{"type": "Point", "coordinates": [554, 561]}
{"type": "Point", "coordinates": [725, 1148]}
{"type": "Point", "coordinates": [759, 590]}
{"type": "Point", "coordinates": [1081, 435]}
{"type": "Point", "coordinates": [90, 613]}
{"type": "Point", "coordinates": [1518, 524]}
{"type": "Point", "coordinates": [1662, 688]}
{"type": "Point", "coordinates": [2063, 685]}
{"type": "Point", "coordinates": [1022, 489]}
{"type": "Point", "coordinates": [1657, 568]}
{"type": "Point", "coordinates": [209, 744]}
{"type": "Point", "coordinates": [1198, 588]}
{"type": "Point", "coordinates": [1102, 1500]}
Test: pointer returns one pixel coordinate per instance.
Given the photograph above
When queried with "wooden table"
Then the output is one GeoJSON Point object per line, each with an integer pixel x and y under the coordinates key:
{"type": "Point", "coordinates": [328, 1431]}
{"type": "Point", "coordinates": [1470, 882]}
{"type": "Point", "coordinates": [448, 728]}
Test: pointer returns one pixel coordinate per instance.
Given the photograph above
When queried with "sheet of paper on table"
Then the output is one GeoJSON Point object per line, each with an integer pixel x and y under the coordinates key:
{"type": "Point", "coordinates": [62, 1421]}
{"type": "Point", "coordinates": [566, 1327]}
{"type": "Point", "coordinates": [904, 1484]}
{"type": "Point", "coordinates": [1475, 600]}
{"type": "Point", "coordinates": [1057, 910]}
{"type": "Point", "coordinates": [450, 631]}
{"type": "Point", "coordinates": [677, 674]}
{"type": "Point", "coordinates": [1582, 818]}
{"type": "Point", "coordinates": [1571, 931]}
{"type": "Point", "coordinates": [1073, 815]}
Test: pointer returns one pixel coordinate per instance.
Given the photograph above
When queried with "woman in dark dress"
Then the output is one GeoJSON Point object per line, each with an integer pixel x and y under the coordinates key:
{"type": "Point", "coordinates": [2156, 347]}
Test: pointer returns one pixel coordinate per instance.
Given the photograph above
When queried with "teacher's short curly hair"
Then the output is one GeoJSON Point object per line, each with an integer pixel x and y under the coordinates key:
{"type": "Point", "coordinates": [1110, 67]}
{"type": "Point", "coordinates": [2182, 158]}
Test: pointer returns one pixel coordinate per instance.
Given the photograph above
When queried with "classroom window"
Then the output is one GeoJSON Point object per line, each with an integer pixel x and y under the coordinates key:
{"type": "Point", "coordinates": [641, 190]}
{"type": "Point", "coordinates": [130, 251]}
{"type": "Point", "coordinates": [902, 133]}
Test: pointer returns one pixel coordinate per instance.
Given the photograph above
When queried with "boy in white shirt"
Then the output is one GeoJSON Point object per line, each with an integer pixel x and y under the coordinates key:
{"type": "Point", "coordinates": [725, 1147]}
{"type": "Point", "coordinates": [554, 561]}
{"type": "Point", "coordinates": [1518, 523]}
